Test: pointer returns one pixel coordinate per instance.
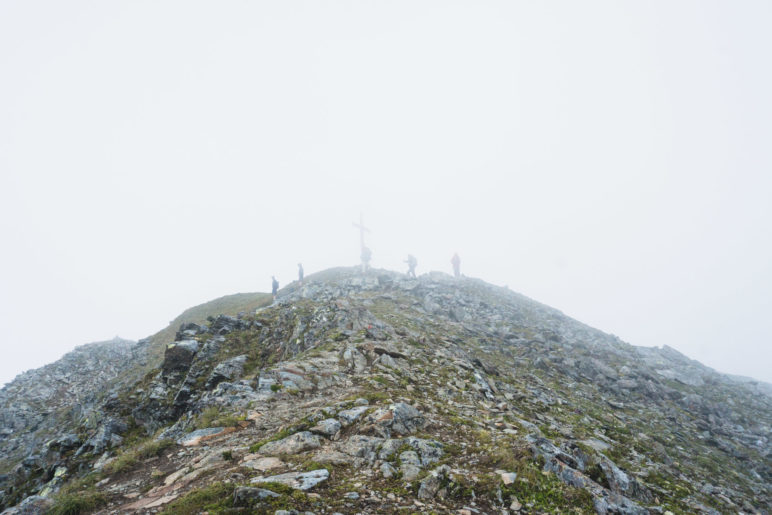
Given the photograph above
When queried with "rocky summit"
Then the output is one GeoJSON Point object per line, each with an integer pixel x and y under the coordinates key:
{"type": "Point", "coordinates": [380, 393]}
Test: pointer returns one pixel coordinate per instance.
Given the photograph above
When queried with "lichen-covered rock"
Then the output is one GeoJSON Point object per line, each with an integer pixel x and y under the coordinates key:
{"type": "Point", "coordinates": [177, 360]}
{"type": "Point", "coordinates": [361, 446]}
{"type": "Point", "coordinates": [229, 370]}
{"type": "Point", "coordinates": [328, 428]}
{"type": "Point", "coordinates": [108, 435]}
{"type": "Point", "coordinates": [399, 418]}
{"type": "Point", "coordinates": [349, 416]}
{"type": "Point", "coordinates": [293, 444]}
{"type": "Point", "coordinates": [297, 480]}
{"type": "Point", "coordinates": [246, 496]}
{"type": "Point", "coordinates": [33, 505]}
{"type": "Point", "coordinates": [410, 465]}
{"type": "Point", "coordinates": [430, 486]}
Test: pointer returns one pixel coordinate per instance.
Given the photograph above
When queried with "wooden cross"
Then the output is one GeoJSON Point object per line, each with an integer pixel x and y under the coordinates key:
{"type": "Point", "coordinates": [362, 229]}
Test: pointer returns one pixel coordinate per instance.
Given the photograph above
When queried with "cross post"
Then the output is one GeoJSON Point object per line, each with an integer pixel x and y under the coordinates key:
{"type": "Point", "coordinates": [362, 229]}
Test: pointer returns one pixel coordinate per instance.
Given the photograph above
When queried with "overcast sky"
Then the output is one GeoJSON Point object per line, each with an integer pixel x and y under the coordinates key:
{"type": "Point", "coordinates": [611, 159]}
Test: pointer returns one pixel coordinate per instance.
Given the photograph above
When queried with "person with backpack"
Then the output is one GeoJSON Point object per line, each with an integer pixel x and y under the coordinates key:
{"type": "Point", "coordinates": [412, 262]}
{"type": "Point", "coordinates": [274, 287]}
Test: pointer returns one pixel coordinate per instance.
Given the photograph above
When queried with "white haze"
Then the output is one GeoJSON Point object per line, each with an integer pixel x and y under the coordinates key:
{"type": "Point", "coordinates": [610, 159]}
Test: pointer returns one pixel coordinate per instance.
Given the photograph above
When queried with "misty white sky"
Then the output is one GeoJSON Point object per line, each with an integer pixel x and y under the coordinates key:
{"type": "Point", "coordinates": [611, 159]}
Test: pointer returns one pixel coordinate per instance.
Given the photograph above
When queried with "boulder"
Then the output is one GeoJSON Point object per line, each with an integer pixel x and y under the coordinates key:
{"type": "Point", "coordinates": [334, 458]}
{"type": "Point", "coordinates": [387, 471]}
{"type": "Point", "coordinates": [224, 324]}
{"type": "Point", "coordinates": [188, 330]}
{"type": "Point", "coordinates": [246, 496]}
{"type": "Point", "coordinates": [177, 360]}
{"type": "Point", "coordinates": [229, 370]}
{"type": "Point", "coordinates": [398, 418]}
{"type": "Point", "coordinates": [349, 416]}
{"type": "Point", "coordinates": [410, 465]}
{"type": "Point", "coordinates": [261, 464]}
{"type": "Point", "coordinates": [33, 505]}
{"type": "Point", "coordinates": [361, 446]}
{"type": "Point", "coordinates": [355, 361]}
{"type": "Point", "coordinates": [296, 480]}
{"type": "Point", "coordinates": [430, 451]}
{"type": "Point", "coordinates": [622, 483]}
{"type": "Point", "coordinates": [108, 435]}
{"type": "Point", "coordinates": [328, 428]}
{"type": "Point", "coordinates": [432, 484]}
{"type": "Point", "coordinates": [293, 444]}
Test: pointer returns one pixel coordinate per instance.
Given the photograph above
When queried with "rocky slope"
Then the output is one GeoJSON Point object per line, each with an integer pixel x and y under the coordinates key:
{"type": "Point", "coordinates": [37, 402]}
{"type": "Point", "coordinates": [383, 394]}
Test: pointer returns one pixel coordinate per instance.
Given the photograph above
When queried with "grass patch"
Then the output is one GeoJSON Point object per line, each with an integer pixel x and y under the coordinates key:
{"type": "Point", "coordinates": [130, 457]}
{"type": "Point", "coordinates": [77, 503]}
{"type": "Point", "coordinates": [214, 498]}
{"type": "Point", "coordinates": [214, 417]}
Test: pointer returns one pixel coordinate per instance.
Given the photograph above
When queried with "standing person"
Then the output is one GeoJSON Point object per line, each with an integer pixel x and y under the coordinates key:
{"type": "Point", "coordinates": [456, 262]}
{"type": "Point", "coordinates": [366, 255]}
{"type": "Point", "coordinates": [274, 287]}
{"type": "Point", "coordinates": [412, 262]}
{"type": "Point", "coordinates": [300, 273]}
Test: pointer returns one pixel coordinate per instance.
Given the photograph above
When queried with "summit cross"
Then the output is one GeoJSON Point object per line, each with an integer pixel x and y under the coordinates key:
{"type": "Point", "coordinates": [362, 229]}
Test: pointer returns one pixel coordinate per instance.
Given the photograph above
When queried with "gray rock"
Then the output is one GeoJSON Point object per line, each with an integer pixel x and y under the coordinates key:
{"type": "Point", "coordinates": [361, 446]}
{"type": "Point", "coordinates": [387, 471]}
{"type": "Point", "coordinates": [349, 416]}
{"type": "Point", "coordinates": [683, 376]}
{"type": "Point", "coordinates": [335, 458]}
{"type": "Point", "coordinates": [33, 505]}
{"type": "Point", "coordinates": [399, 418]}
{"type": "Point", "coordinates": [621, 483]}
{"type": "Point", "coordinates": [629, 384]}
{"type": "Point", "coordinates": [107, 436]}
{"type": "Point", "coordinates": [293, 444]}
{"type": "Point", "coordinates": [328, 427]}
{"type": "Point", "coordinates": [297, 480]}
{"type": "Point", "coordinates": [410, 465]}
{"type": "Point", "coordinates": [389, 447]}
{"type": "Point", "coordinates": [245, 496]}
{"type": "Point", "coordinates": [356, 362]}
{"type": "Point", "coordinates": [406, 418]}
{"type": "Point", "coordinates": [431, 485]}
{"type": "Point", "coordinates": [430, 451]}
{"type": "Point", "coordinates": [229, 370]}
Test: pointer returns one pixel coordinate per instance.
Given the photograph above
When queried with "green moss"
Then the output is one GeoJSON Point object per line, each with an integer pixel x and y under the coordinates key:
{"type": "Point", "coordinates": [278, 488]}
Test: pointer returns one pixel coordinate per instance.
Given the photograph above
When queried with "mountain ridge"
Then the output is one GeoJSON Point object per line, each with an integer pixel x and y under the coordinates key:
{"type": "Point", "coordinates": [348, 365]}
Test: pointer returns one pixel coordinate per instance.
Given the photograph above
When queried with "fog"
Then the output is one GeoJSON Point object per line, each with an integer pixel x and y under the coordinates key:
{"type": "Point", "coordinates": [610, 159]}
